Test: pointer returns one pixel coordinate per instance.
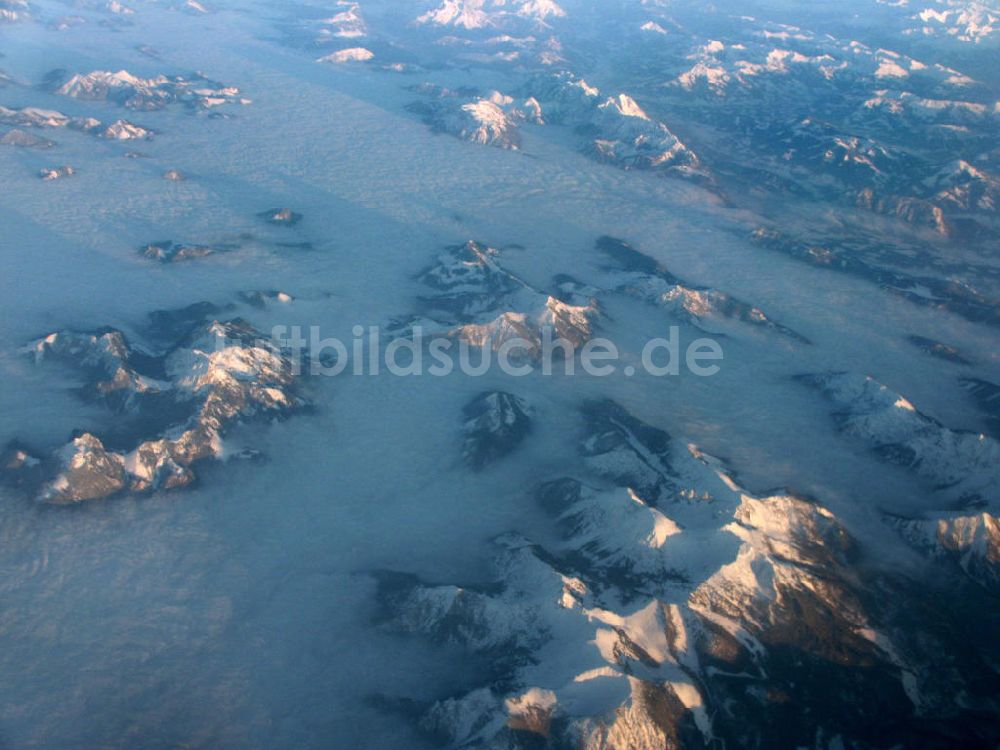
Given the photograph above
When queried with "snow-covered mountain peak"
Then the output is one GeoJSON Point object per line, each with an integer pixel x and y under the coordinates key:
{"type": "Point", "coordinates": [963, 466]}
{"type": "Point", "coordinates": [625, 106]}
{"type": "Point", "coordinates": [222, 372]}
{"type": "Point", "coordinates": [482, 14]}
{"type": "Point", "coordinates": [134, 92]}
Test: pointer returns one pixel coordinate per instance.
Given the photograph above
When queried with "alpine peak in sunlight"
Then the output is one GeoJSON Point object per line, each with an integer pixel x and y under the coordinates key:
{"type": "Point", "coordinates": [499, 374]}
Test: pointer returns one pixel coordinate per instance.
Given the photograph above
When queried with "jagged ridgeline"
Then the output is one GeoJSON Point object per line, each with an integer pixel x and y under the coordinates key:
{"type": "Point", "coordinates": [801, 551]}
{"type": "Point", "coordinates": [474, 298]}
{"type": "Point", "coordinates": [679, 610]}
{"type": "Point", "coordinates": [172, 404]}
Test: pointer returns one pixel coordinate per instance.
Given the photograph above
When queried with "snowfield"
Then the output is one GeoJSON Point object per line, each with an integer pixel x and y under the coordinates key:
{"type": "Point", "coordinates": [201, 548]}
